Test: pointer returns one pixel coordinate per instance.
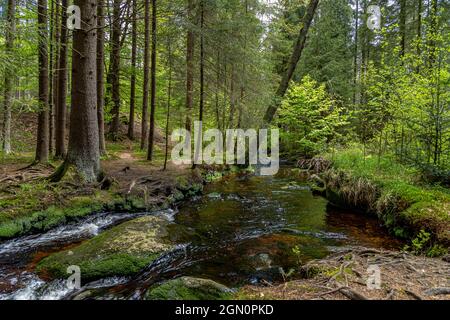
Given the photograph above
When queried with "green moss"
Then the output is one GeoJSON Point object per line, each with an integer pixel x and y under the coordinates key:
{"type": "Point", "coordinates": [392, 191]}
{"type": "Point", "coordinates": [46, 219]}
{"type": "Point", "coordinates": [121, 251]}
{"type": "Point", "coordinates": [187, 288]}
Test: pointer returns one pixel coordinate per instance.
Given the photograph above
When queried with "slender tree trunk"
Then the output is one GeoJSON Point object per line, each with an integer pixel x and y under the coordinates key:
{"type": "Point", "coordinates": [53, 26]}
{"type": "Point", "coordinates": [100, 75]}
{"type": "Point", "coordinates": [202, 60]}
{"type": "Point", "coordinates": [151, 135]}
{"type": "Point", "coordinates": [190, 43]}
{"type": "Point", "coordinates": [433, 32]}
{"type": "Point", "coordinates": [42, 131]}
{"type": "Point", "coordinates": [9, 76]}
{"type": "Point", "coordinates": [61, 106]}
{"type": "Point", "coordinates": [355, 54]}
{"type": "Point", "coordinates": [169, 101]}
{"type": "Point", "coordinates": [419, 25]}
{"type": "Point", "coordinates": [298, 49]}
{"type": "Point", "coordinates": [232, 98]}
{"type": "Point", "coordinates": [402, 28]}
{"type": "Point", "coordinates": [83, 150]}
{"type": "Point", "coordinates": [115, 71]}
{"type": "Point", "coordinates": [144, 130]}
{"type": "Point", "coordinates": [53, 116]}
{"type": "Point", "coordinates": [217, 90]}
{"type": "Point", "coordinates": [202, 79]}
{"type": "Point", "coordinates": [133, 72]}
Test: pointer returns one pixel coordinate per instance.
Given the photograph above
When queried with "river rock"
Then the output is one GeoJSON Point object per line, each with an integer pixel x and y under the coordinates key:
{"type": "Point", "coordinates": [121, 251]}
{"type": "Point", "coordinates": [188, 288]}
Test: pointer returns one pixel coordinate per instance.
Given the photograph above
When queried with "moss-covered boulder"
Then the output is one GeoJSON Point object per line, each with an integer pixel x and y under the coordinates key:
{"type": "Point", "coordinates": [121, 251]}
{"type": "Point", "coordinates": [188, 288]}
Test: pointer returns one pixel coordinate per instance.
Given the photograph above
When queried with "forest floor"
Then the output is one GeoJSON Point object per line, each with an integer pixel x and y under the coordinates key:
{"type": "Point", "coordinates": [345, 275]}
{"type": "Point", "coordinates": [29, 203]}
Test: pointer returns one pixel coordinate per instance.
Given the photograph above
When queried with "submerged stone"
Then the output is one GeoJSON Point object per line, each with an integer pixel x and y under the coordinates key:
{"type": "Point", "coordinates": [121, 251]}
{"type": "Point", "coordinates": [188, 288]}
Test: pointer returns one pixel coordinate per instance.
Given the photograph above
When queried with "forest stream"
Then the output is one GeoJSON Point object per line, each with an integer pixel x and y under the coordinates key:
{"type": "Point", "coordinates": [243, 230]}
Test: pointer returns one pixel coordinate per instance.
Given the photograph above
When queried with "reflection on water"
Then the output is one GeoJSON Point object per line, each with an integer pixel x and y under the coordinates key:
{"type": "Point", "coordinates": [251, 225]}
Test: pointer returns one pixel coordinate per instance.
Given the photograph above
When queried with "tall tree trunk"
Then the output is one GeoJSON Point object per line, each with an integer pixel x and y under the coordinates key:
{"type": "Point", "coordinates": [402, 28]}
{"type": "Point", "coordinates": [232, 98]}
{"type": "Point", "coordinates": [151, 136]}
{"type": "Point", "coordinates": [83, 151]}
{"type": "Point", "coordinates": [202, 60]}
{"type": "Point", "coordinates": [433, 32]}
{"type": "Point", "coordinates": [355, 54]}
{"type": "Point", "coordinates": [298, 49]}
{"type": "Point", "coordinates": [100, 75]}
{"type": "Point", "coordinates": [190, 43]}
{"type": "Point", "coordinates": [42, 131]}
{"type": "Point", "coordinates": [53, 44]}
{"type": "Point", "coordinates": [57, 23]}
{"type": "Point", "coordinates": [419, 25]}
{"type": "Point", "coordinates": [9, 76]}
{"type": "Point", "coordinates": [144, 129]}
{"type": "Point", "coordinates": [61, 105]}
{"type": "Point", "coordinates": [198, 146]}
{"type": "Point", "coordinates": [169, 101]}
{"type": "Point", "coordinates": [133, 72]}
{"type": "Point", "coordinates": [115, 71]}
{"type": "Point", "coordinates": [218, 124]}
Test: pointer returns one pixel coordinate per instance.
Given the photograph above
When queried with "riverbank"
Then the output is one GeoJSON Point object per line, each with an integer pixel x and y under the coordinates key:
{"type": "Point", "coordinates": [409, 208]}
{"type": "Point", "coordinates": [31, 204]}
{"type": "Point", "coordinates": [351, 274]}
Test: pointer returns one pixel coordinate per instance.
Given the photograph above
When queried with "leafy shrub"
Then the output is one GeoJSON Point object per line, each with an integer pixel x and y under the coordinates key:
{"type": "Point", "coordinates": [309, 119]}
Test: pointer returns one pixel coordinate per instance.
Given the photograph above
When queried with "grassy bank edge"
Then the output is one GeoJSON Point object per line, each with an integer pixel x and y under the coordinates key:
{"type": "Point", "coordinates": [37, 219]}
{"type": "Point", "coordinates": [407, 207]}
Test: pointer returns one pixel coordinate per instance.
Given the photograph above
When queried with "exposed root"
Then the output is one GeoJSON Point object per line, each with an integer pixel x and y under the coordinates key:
{"type": "Point", "coordinates": [345, 275]}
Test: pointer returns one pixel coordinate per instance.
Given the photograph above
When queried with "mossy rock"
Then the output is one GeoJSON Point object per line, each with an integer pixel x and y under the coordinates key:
{"type": "Point", "coordinates": [121, 251]}
{"type": "Point", "coordinates": [188, 288]}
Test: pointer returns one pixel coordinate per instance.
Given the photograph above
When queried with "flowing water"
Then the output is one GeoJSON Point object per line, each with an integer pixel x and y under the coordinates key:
{"type": "Point", "coordinates": [247, 229]}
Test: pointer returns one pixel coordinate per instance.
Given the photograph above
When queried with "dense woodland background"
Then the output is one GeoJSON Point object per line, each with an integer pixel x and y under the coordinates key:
{"type": "Point", "coordinates": [139, 69]}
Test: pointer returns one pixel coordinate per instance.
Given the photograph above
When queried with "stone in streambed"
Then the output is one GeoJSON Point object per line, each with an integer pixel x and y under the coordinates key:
{"type": "Point", "coordinates": [188, 288]}
{"type": "Point", "coordinates": [121, 251]}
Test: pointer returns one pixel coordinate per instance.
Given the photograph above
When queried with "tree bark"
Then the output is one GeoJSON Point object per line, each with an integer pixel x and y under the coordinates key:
{"type": "Point", "coordinates": [83, 151]}
{"type": "Point", "coordinates": [42, 131]}
{"type": "Point", "coordinates": [133, 72]}
{"type": "Point", "coordinates": [298, 49]}
{"type": "Point", "coordinates": [402, 28]}
{"type": "Point", "coordinates": [190, 43]}
{"type": "Point", "coordinates": [61, 106]}
{"type": "Point", "coordinates": [144, 129]}
{"type": "Point", "coordinates": [51, 116]}
{"type": "Point", "coordinates": [355, 54]}
{"type": "Point", "coordinates": [9, 76]}
{"type": "Point", "coordinates": [153, 86]}
{"type": "Point", "coordinates": [115, 71]}
{"type": "Point", "coordinates": [169, 101]}
{"type": "Point", "coordinates": [100, 75]}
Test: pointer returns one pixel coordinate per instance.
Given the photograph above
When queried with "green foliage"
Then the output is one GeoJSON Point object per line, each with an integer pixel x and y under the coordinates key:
{"type": "Point", "coordinates": [422, 244]}
{"type": "Point", "coordinates": [309, 119]}
{"type": "Point", "coordinates": [391, 190]}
